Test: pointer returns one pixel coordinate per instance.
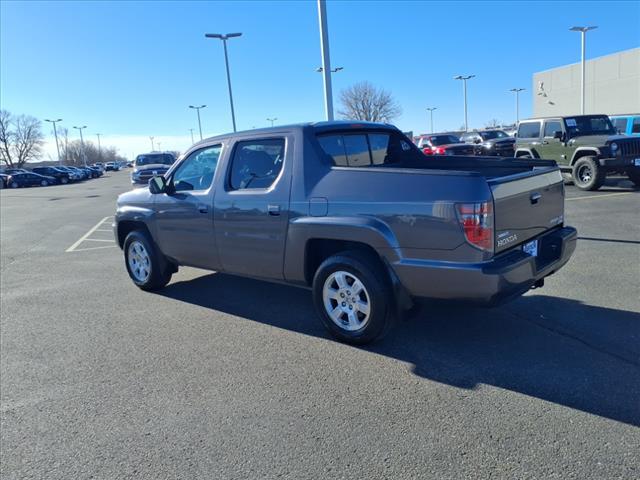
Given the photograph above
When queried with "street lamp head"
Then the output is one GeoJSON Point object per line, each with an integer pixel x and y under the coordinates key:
{"type": "Point", "coordinates": [431, 109]}
{"type": "Point", "coordinates": [463, 77]}
{"type": "Point", "coordinates": [222, 36]}
{"type": "Point", "coordinates": [583, 29]}
{"type": "Point", "coordinates": [319, 69]}
{"type": "Point", "coordinates": [337, 69]}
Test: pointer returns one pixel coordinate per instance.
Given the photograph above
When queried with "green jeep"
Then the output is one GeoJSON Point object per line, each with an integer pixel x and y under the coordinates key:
{"type": "Point", "coordinates": [586, 148]}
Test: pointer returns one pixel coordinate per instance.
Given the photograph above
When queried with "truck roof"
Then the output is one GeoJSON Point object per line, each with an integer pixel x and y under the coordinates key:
{"type": "Point", "coordinates": [323, 126]}
{"type": "Point", "coordinates": [533, 119]}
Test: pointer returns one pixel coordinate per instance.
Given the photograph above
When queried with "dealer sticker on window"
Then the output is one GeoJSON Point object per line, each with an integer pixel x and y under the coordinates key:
{"type": "Point", "coordinates": [531, 248]}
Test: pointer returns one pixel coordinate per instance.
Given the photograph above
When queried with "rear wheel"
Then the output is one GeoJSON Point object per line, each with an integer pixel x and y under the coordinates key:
{"type": "Point", "coordinates": [14, 185]}
{"type": "Point", "coordinates": [353, 297]}
{"type": "Point", "coordinates": [64, 180]}
{"type": "Point", "coordinates": [44, 183]}
{"type": "Point", "coordinates": [587, 174]}
{"type": "Point", "coordinates": [145, 264]}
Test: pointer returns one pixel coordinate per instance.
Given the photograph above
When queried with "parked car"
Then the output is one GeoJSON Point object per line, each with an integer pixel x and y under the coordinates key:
{"type": "Point", "coordinates": [491, 142]}
{"type": "Point", "coordinates": [316, 205]}
{"type": "Point", "coordinates": [627, 124]}
{"type": "Point", "coordinates": [11, 171]}
{"type": "Point", "coordinates": [95, 171]}
{"type": "Point", "coordinates": [61, 176]}
{"type": "Point", "coordinates": [74, 174]}
{"type": "Point", "coordinates": [587, 148]}
{"type": "Point", "coordinates": [443, 144]}
{"type": "Point", "coordinates": [30, 179]}
{"type": "Point", "coordinates": [111, 166]}
{"type": "Point", "coordinates": [4, 180]}
{"type": "Point", "coordinates": [148, 165]}
{"type": "Point", "coordinates": [84, 174]}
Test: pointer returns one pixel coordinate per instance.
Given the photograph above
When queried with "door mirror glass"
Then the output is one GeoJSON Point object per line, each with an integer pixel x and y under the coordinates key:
{"type": "Point", "coordinates": [557, 134]}
{"type": "Point", "coordinates": [157, 184]}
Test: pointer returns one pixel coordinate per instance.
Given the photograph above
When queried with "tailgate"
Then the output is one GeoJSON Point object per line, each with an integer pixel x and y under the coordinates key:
{"type": "Point", "coordinates": [526, 205]}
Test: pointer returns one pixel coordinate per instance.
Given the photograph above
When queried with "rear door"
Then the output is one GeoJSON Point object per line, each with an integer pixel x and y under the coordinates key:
{"type": "Point", "coordinates": [252, 209]}
{"type": "Point", "coordinates": [526, 205]}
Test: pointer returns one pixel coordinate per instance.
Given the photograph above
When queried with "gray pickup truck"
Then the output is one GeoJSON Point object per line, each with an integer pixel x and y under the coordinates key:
{"type": "Point", "coordinates": [356, 212]}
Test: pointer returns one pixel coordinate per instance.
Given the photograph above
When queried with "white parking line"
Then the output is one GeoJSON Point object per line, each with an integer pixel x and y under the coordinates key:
{"type": "Point", "coordinates": [73, 247]}
{"type": "Point", "coordinates": [600, 196]}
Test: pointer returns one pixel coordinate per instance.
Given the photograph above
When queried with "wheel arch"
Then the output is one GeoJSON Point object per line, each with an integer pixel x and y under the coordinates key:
{"type": "Point", "coordinates": [520, 152]}
{"type": "Point", "coordinates": [584, 152]}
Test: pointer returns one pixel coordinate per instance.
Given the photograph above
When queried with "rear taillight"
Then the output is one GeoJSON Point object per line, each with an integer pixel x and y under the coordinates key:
{"type": "Point", "coordinates": [440, 151]}
{"type": "Point", "coordinates": [427, 151]}
{"type": "Point", "coordinates": [476, 220]}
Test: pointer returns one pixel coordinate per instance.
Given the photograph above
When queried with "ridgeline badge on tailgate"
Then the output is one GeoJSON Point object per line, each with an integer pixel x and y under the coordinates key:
{"type": "Point", "coordinates": [505, 238]}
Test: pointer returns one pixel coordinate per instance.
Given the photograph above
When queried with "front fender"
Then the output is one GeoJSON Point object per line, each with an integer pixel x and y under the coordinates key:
{"type": "Point", "coordinates": [582, 151]}
{"type": "Point", "coordinates": [367, 230]}
{"type": "Point", "coordinates": [133, 214]}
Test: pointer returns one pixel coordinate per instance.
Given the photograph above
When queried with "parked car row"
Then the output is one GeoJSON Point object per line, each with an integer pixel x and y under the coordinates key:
{"type": "Point", "coordinates": [587, 148]}
{"type": "Point", "coordinates": [46, 176]}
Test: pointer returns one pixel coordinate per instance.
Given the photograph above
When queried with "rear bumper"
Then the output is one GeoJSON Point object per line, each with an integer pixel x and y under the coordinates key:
{"type": "Point", "coordinates": [507, 276]}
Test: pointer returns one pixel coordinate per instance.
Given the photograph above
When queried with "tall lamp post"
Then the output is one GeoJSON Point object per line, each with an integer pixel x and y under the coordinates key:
{"type": "Point", "coordinates": [191, 130]}
{"type": "Point", "coordinates": [583, 32]}
{"type": "Point", "coordinates": [431, 109]}
{"type": "Point", "coordinates": [326, 62]}
{"type": "Point", "coordinates": [199, 124]}
{"type": "Point", "coordinates": [224, 38]}
{"type": "Point", "coordinates": [272, 120]}
{"type": "Point", "coordinates": [84, 155]}
{"type": "Point", "coordinates": [152, 147]}
{"type": "Point", "coordinates": [464, 79]}
{"type": "Point", "coordinates": [99, 149]}
{"type": "Point", "coordinates": [517, 92]}
{"type": "Point", "coordinates": [55, 134]}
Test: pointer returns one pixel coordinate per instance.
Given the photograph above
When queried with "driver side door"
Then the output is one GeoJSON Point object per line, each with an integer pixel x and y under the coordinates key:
{"type": "Point", "coordinates": [184, 213]}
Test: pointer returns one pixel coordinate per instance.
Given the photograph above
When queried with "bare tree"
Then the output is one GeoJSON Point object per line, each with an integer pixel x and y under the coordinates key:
{"type": "Point", "coordinates": [21, 139]}
{"type": "Point", "coordinates": [363, 101]}
{"type": "Point", "coordinates": [493, 123]}
{"type": "Point", "coordinates": [71, 152]}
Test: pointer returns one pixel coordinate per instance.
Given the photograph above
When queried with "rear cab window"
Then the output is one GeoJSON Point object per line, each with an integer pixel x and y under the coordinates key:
{"type": "Point", "coordinates": [365, 149]}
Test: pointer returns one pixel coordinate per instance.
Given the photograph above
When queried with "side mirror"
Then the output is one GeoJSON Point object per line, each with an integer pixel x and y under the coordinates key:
{"type": "Point", "coordinates": [477, 140]}
{"type": "Point", "coordinates": [157, 184]}
{"type": "Point", "coordinates": [558, 134]}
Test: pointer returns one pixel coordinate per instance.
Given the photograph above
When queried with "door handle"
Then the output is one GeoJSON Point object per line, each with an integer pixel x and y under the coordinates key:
{"type": "Point", "coordinates": [202, 208]}
{"type": "Point", "coordinates": [545, 143]}
{"type": "Point", "coordinates": [534, 198]}
{"type": "Point", "coordinates": [273, 210]}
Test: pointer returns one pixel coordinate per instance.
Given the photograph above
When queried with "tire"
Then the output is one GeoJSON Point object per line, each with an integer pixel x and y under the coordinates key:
{"type": "Point", "coordinates": [44, 183]}
{"type": "Point", "coordinates": [587, 174]}
{"type": "Point", "coordinates": [14, 185]}
{"type": "Point", "coordinates": [333, 291]}
{"type": "Point", "coordinates": [140, 250]}
{"type": "Point", "coordinates": [64, 180]}
{"type": "Point", "coordinates": [634, 176]}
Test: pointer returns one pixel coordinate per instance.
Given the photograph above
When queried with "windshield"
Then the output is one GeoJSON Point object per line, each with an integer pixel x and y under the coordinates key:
{"type": "Point", "coordinates": [163, 158]}
{"type": "Point", "coordinates": [589, 125]}
{"type": "Point", "coordinates": [493, 134]}
{"type": "Point", "coordinates": [437, 140]}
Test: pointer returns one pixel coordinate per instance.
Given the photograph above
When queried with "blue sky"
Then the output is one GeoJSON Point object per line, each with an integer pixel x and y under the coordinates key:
{"type": "Point", "coordinates": [130, 69]}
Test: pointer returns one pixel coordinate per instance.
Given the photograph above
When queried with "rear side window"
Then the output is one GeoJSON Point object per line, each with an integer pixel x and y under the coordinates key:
{"type": "Point", "coordinates": [636, 125]}
{"type": "Point", "coordinates": [362, 150]}
{"type": "Point", "coordinates": [256, 163]}
{"type": "Point", "coordinates": [551, 127]}
{"type": "Point", "coordinates": [529, 130]}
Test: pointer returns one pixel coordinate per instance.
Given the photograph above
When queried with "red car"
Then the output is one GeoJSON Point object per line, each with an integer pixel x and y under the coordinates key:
{"type": "Point", "coordinates": [444, 144]}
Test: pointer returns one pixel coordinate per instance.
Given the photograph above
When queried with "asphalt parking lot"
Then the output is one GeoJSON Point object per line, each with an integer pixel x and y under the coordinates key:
{"type": "Point", "coordinates": [224, 377]}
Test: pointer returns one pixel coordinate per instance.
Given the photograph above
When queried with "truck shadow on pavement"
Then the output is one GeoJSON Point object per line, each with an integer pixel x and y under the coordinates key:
{"type": "Point", "coordinates": [558, 350]}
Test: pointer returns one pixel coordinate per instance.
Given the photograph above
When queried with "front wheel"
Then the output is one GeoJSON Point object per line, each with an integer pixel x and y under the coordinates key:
{"type": "Point", "coordinates": [145, 264]}
{"type": "Point", "coordinates": [634, 176]}
{"type": "Point", "coordinates": [64, 180]}
{"type": "Point", "coordinates": [588, 174]}
{"type": "Point", "coordinates": [353, 297]}
{"type": "Point", "coordinates": [14, 185]}
{"type": "Point", "coordinates": [44, 183]}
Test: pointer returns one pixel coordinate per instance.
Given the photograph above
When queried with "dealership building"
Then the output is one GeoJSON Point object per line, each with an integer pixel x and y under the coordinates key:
{"type": "Point", "coordinates": [612, 86]}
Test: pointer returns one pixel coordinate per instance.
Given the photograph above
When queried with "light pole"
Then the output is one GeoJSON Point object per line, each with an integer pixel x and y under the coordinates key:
{"type": "Point", "coordinates": [200, 124]}
{"type": "Point", "coordinates": [326, 62]}
{"type": "Point", "coordinates": [224, 38]}
{"type": "Point", "coordinates": [99, 149]}
{"type": "Point", "coordinates": [271, 120]}
{"type": "Point", "coordinates": [159, 147]}
{"type": "Point", "coordinates": [431, 109]}
{"type": "Point", "coordinates": [464, 79]}
{"type": "Point", "coordinates": [517, 92]}
{"type": "Point", "coordinates": [152, 148]}
{"type": "Point", "coordinates": [191, 130]}
{"type": "Point", "coordinates": [55, 133]}
{"type": "Point", "coordinates": [583, 32]}
{"type": "Point", "coordinates": [84, 155]}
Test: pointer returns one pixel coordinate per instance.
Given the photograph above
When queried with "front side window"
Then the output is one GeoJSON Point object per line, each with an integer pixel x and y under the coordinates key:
{"type": "Point", "coordinates": [197, 170]}
{"type": "Point", "coordinates": [551, 127]}
{"type": "Point", "coordinates": [529, 130]}
{"type": "Point", "coordinates": [636, 125]}
{"type": "Point", "coordinates": [256, 163]}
